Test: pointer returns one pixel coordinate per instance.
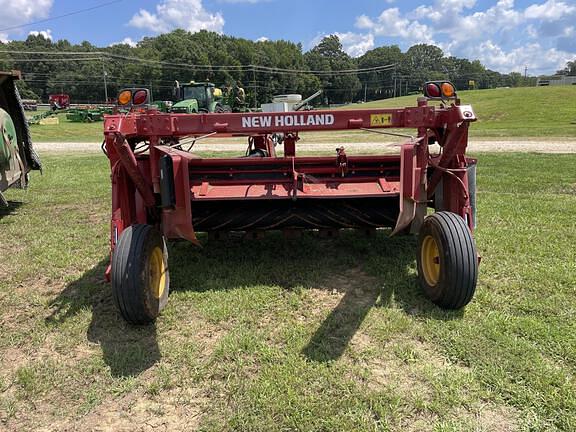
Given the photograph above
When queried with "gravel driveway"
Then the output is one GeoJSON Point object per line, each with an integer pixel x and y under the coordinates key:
{"type": "Point", "coordinates": [559, 145]}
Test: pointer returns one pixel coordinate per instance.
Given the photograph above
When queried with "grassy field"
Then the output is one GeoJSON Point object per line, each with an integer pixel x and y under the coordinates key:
{"type": "Point", "coordinates": [67, 131]}
{"type": "Point", "coordinates": [277, 335]}
{"type": "Point", "coordinates": [542, 112]}
{"type": "Point", "coordinates": [512, 112]}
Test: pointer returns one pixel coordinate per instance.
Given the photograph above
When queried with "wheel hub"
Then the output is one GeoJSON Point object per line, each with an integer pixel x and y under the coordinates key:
{"type": "Point", "coordinates": [430, 260]}
{"type": "Point", "coordinates": [157, 273]}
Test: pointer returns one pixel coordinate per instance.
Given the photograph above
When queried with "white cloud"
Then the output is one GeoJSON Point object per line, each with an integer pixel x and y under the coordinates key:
{"type": "Point", "coordinates": [47, 34]}
{"type": "Point", "coordinates": [364, 22]}
{"type": "Point", "coordinates": [541, 35]}
{"type": "Point", "coordinates": [242, 1]}
{"type": "Point", "coordinates": [516, 59]}
{"type": "Point", "coordinates": [549, 11]}
{"type": "Point", "coordinates": [480, 25]}
{"type": "Point", "coordinates": [392, 24]}
{"type": "Point", "coordinates": [443, 11]}
{"type": "Point", "coordinates": [355, 44]}
{"type": "Point", "coordinates": [172, 14]}
{"type": "Point", "coordinates": [262, 39]}
{"type": "Point", "coordinates": [18, 12]}
{"type": "Point", "coordinates": [125, 41]}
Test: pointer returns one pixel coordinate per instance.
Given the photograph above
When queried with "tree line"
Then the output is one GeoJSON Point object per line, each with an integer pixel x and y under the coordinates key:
{"type": "Point", "coordinates": [263, 68]}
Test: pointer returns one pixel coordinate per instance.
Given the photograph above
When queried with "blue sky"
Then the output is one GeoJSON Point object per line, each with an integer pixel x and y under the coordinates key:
{"type": "Point", "coordinates": [506, 35]}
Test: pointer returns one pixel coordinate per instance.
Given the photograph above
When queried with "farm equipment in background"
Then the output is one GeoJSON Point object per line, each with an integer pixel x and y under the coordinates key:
{"type": "Point", "coordinates": [198, 97]}
{"type": "Point", "coordinates": [290, 102]}
{"type": "Point", "coordinates": [162, 191]}
{"type": "Point", "coordinates": [59, 101]}
{"type": "Point", "coordinates": [30, 104]}
{"type": "Point", "coordinates": [84, 115]}
{"type": "Point", "coordinates": [41, 118]}
{"type": "Point", "coordinates": [88, 114]}
{"type": "Point", "coordinates": [163, 106]}
{"type": "Point", "coordinates": [17, 157]}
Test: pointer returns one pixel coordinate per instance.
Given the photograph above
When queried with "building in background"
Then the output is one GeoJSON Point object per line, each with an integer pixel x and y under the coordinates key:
{"type": "Point", "coordinates": [556, 80]}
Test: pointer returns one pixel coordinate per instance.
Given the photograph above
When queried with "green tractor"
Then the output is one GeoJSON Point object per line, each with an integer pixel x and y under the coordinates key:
{"type": "Point", "coordinates": [198, 97]}
{"type": "Point", "coordinates": [17, 157]}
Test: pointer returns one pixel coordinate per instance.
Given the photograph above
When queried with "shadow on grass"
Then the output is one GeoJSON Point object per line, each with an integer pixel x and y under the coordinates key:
{"type": "Point", "coordinates": [127, 350]}
{"type": "Point", "coordinates": [12, 207]}
{"type": "Point", "coordinates": [370, 272]}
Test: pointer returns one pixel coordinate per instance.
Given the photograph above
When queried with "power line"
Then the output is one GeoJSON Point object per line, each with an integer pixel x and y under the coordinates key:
{"type": "Point", "coordinates": [208, 68]}
{"type": "Point", "coordinates": [51, 60]}
{"type": "Point", "coordinates": [61, 16]}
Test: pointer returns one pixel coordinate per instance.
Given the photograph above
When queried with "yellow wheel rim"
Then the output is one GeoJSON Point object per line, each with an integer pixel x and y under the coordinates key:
{"type": "Point", "coordinates": [430, 255]}
{"type": "Point", "coordinates": [157, 273]}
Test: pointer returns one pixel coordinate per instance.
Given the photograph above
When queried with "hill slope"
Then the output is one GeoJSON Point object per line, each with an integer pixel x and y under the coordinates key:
{"type": "Point", "coordinates": [525, 112]}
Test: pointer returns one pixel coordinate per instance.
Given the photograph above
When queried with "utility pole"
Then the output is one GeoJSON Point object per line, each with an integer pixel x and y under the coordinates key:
{"type": "Point", "coordinates": [254, 84]}
{"type": "Point", "coordinates": [104, 73]}
{"type": "Point", "coordinates": [394, 81]}
{"type": "Point", "coordinates": [365, 90]}
{"type": "Point", "coordinates": [525, 72]}
{"type": "Point", "coordinates": [151, 94]}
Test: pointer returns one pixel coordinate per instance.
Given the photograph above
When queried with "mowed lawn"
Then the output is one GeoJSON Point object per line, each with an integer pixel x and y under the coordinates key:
{"type": "Point", "coordinates": [281, 335]}
{"type": "Point", "coordinates": [511, 112]}
{"type": "Point", "coordinates": [537, 112]}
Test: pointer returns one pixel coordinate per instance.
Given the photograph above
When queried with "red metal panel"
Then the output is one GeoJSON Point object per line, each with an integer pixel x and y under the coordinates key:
{"type": "Point", "coordinates": [158, 124]}
{"type": "Point", "coordinates": [136, 183]}
{"type": "Point", "coordinates": [275, 190]}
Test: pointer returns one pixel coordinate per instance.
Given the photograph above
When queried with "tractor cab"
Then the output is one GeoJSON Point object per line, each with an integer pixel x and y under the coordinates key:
{"type": "Point", "coordinates": [197, 97]}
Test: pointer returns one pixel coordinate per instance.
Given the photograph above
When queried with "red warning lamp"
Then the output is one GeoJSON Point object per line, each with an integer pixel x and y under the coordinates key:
{"type": "Point", "coordinates": [140, 97]}
{"type": "Point", "coordinates": [439, 90]}
{"type": "Point", "coordinates": [433, 90]}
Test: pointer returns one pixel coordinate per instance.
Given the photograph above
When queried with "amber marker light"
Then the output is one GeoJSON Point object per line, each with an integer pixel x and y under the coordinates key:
{"type": "Point", "coordinates": [447, 90]}
{"type": "Point", "coordinates": [125, 97]}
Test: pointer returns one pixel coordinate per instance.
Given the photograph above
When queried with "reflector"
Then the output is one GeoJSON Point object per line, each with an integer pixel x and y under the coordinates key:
{"type": "Point", "coordinates": [125, 97]}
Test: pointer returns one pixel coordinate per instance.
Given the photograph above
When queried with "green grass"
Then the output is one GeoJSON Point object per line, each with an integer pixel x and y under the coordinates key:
{"type": "Point", "coordinates": [67, 131]}
{"type": "Point", "coordinates": [542, 112]}
{"type": "Point", "coordinates": [277, 335]}
{"type": "Point", "coordinates": [511, 112]}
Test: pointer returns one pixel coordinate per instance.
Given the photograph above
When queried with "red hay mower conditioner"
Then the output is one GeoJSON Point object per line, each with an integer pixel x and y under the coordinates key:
{"type": "Point", "coordinates": [163, 191]}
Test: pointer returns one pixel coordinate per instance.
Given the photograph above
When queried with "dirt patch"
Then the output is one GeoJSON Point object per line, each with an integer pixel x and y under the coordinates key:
{"type": "Point", "coordinates": [401, 367]}
{"type": "Point", "coordinates": [177, 410]}
{"type": "Point", "coordinates": [351, 290]}
{"type": "Point", "coordinates": [491, 418]}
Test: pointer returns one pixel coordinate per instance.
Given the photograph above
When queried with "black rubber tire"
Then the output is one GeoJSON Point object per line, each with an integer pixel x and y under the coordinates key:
{"type": "Point", "coordinates": [458, 260]}
{"type": "Point", "coordinates": [131, 274]}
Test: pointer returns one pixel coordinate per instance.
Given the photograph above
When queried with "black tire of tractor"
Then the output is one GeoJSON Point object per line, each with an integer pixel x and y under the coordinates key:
{"type": "Point", "coordinates": [140, 277]}
{"type": "Point", "coordinates": [448, 279]}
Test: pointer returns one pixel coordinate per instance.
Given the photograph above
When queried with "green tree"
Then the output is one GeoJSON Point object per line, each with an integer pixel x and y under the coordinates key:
{"type": "Point", "coordinates": [379, 85]}
{"type": "Point", "coordinates": [328, 56]}
{"type": "Point", "coordinates": [421, 63]}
